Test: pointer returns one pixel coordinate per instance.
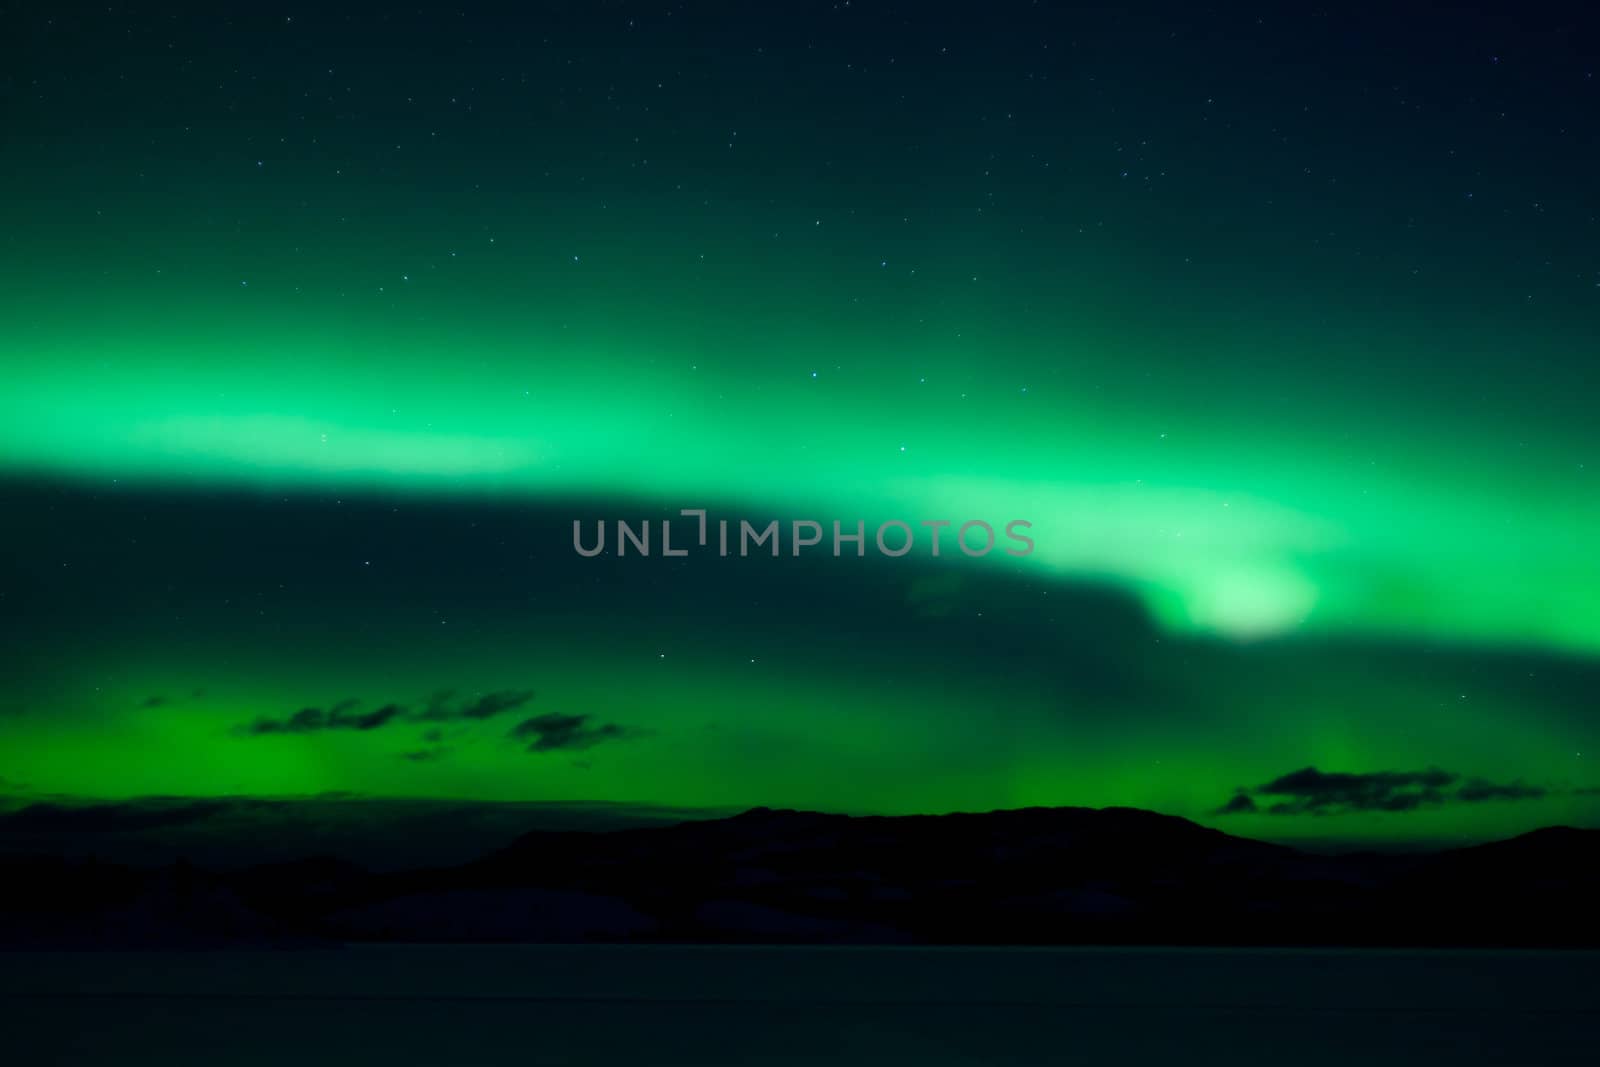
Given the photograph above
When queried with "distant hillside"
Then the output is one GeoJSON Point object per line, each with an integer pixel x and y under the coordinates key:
{"type": "Point", "coordinates": [1031, 876]}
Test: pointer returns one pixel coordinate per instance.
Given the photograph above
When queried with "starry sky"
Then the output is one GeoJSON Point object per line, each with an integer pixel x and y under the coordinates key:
{"type": "Point", "coordinates": [322, 326]}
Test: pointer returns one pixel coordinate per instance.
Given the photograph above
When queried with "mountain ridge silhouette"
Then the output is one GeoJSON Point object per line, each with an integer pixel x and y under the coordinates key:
{"type": "Point", "coordinates": [1045, 876]}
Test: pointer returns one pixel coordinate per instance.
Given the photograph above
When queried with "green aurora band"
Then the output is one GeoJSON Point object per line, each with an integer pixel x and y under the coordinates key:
{"type": "Point", "coordinates": [1259, 363]}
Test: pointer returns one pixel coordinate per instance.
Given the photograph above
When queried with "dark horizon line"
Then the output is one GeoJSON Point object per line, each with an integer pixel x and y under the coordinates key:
{"type": "Point", "coordinates": [630, 815]}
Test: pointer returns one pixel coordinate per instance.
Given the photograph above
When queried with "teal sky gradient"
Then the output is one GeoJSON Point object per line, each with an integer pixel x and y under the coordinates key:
{"type": "Point", "coordinates": [1282, 338]}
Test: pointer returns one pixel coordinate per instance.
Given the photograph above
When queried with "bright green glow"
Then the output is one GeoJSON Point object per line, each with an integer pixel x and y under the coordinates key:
{"type": "Point", "coordinates": [807, 730]}
{"type": "Point", "coordinates": [1314, 461]}
{"type": "Point", "coordinates": [1226, 516]}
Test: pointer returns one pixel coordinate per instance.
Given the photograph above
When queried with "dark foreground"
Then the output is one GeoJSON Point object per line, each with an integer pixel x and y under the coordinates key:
{"type": "Point", "coordinates": [467, 1005]}
{"type": "Point", "coordinates": [1042, 876]}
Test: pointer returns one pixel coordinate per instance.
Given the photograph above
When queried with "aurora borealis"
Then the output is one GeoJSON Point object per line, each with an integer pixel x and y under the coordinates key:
{"type": "Point", "coordinates": [317, 331]}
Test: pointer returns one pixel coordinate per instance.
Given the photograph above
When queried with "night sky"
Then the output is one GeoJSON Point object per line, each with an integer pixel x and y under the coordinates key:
{"type": "Point", "coordinates": [318, 330]}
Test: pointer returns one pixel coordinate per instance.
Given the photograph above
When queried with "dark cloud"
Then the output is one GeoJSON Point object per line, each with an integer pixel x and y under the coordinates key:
{"type": "Point", "coordinates": [304, 721]}
{"type": "Point", "coordinates": [486, 707]}
{"type": "Point", "coordinates": [1314, 791]}
{"type": "Point", "coordinates": [553, 732]}
{"type": "Point", "coordinates": [442, 707]}
{"type": "Point", "coordinates": [425, 755]}
{"type": "Point", "coordinates": [370, 720]}
{"type": "Point", "coordinates": [1477, 789]}
{"type": "Point", "coordinates": [1309, 791]}
{"type": "Point", "coordinates": [1239, 803]}
{"type": "Point", "coordinates": [343, 716]}
{"type": "Point", "coordinates": [153, 702]}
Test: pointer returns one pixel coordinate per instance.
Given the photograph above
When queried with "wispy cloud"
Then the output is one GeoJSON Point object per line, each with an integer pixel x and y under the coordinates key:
{"type": "Point", "coordinates": [342, 716]}
{"type": "Point", "coordinates": [555, 732]}
{"type": "Point", "coordinates": [1310, 791]}
{"type": "Point", "coordinates": [440, 707]}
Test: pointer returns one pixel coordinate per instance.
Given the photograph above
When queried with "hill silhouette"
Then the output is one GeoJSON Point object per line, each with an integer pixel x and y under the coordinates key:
{"type": "Point", "coordinates": [1028, 876]}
